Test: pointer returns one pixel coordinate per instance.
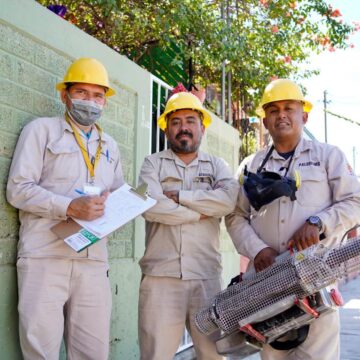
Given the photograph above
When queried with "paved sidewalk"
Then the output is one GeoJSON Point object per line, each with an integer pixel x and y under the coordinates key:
{"type": "Point", "coordinates": [350, 320]}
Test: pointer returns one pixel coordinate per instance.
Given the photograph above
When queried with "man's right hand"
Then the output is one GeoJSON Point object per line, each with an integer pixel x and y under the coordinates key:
{"type": "Point", "coordinates": [87, 207]}
{"type": "Point", "coordinates": [265, 258]}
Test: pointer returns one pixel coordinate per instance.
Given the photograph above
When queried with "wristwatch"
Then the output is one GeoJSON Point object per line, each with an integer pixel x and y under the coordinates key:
{"type": "Point", "coordinates": [316, 221]}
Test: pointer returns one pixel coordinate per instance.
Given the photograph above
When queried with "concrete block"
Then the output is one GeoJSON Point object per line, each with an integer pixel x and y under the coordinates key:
{"type": "Point", "coordinates": [110, 111]}
{"type": "Point", "coordinates": [8, 246]}
{"type": "Point", "coordinates": [115, 84]}
{"type": "Point", "coordinates": [4, 169]}
{"type": "Point", "coordinates": [120, 243]}
{"type": "Point", "coordinates": [9, 228]}
{"type": "Point", "coordinates": [116, 248]}
{"type": "Point", "coordinates": [125, 279]}
{"type": "Point", "coordinates": [15, 42]}
{"type": "Point", "coordinates": [7, 144]}
{"type": "Point", "coordinates": [6, 68]}
{"type": "Point", "coordinates": [13, 120]}
{"type": "Point", "coordinates": [130, 141]}
{"type": "Point", "coordinates": [9, 339]}
{"type": "Point", "coordinates": [6, 92]}
{"type": "Point", "coordinates": [214, 141]}
{"type": "Point", "coordinates": [118, 132]}
{"type": "Point", "coordinates": [125, 232]}
{"type": "Point", "coordinates": [226, 151]}
{"type": "Point", "coordinates": [129, 249]}
{"type": "Point", "coordinates": [4, 205]}
{"type": "Point", "coordinates": [35, 78]}
{"type": "Point", "coordinates": [126, 116]}
{"type": "Point", "coordinates": [16, 96]}
{"type": "Point", "coordinates": [47, 106]}
{"type": "Point", "coordinates": [51, 60]}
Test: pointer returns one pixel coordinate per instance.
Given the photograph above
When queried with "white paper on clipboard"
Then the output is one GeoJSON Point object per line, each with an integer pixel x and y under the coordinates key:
{"type": "Point", "coordinates": [122, 206]}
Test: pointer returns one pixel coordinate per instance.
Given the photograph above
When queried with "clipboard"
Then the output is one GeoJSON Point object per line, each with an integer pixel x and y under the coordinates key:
{"type": "Point", "coordinates": [74, 235]}
{"type": "Point", "coordinates": [122, 206]}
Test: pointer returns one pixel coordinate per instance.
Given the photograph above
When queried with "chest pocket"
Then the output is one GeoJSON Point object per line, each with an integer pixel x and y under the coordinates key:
{"type": "Point", "coordinates": [171, 183]}
{"type": "Point", "coordinates": [202, 183]}
{"type": "Point", "coordinates": [61, 163]}
{"type": "Point", "coordinates": [314, 188]}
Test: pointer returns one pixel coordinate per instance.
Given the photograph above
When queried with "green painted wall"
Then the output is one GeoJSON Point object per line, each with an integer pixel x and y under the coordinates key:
{"type": "Point", "coordinates": [36, 47]}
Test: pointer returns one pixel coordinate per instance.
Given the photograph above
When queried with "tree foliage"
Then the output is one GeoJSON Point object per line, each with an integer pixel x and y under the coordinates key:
{"type": "Point", "coordinates": [257, 39]}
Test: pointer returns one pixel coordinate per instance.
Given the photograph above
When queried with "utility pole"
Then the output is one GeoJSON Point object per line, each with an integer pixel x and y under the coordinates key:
{"type": "Point", "coordinates": [223, 79]}
{"type": "Point", "coordinates": [229, 117]}
{"type": "Point", "coordinates": [325, 114]}
{"type": "Point", "coordinates": [354, 159]}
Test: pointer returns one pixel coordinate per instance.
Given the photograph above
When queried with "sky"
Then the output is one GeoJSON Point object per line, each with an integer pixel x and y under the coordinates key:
{"type": "Point", "coordinates": [340, 77]}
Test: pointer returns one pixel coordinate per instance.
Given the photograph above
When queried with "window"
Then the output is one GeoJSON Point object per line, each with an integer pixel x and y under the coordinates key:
{"type": "Point", "coordinates": [160, 92]}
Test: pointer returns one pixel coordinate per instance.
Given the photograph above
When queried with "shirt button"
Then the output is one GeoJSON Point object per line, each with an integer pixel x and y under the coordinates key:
{"type": "Point", "coordinates": [283, 201]}
{"type": "Point", "coordinates": [282, 221]}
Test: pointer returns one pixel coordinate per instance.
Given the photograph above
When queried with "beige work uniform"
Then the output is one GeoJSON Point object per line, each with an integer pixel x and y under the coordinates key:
{"type": "Point", "coordinates": [328, 189]}
{"type": "Point", "coordinates": [182, 261]}
{"type": "Point", "coordinates": [59, 290]}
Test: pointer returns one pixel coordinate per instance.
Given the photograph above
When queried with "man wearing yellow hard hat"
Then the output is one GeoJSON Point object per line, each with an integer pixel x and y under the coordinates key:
{"type": "Point", "coordinates": [63, 167]}
{"type": "Point", "coordinates": [181, 265]}
{"type": "Point", "coordinates": [292, 214]}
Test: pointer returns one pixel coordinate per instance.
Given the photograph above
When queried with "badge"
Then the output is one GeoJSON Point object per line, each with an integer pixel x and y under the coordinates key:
{"type": "Point", "coordinates": [90, 189]}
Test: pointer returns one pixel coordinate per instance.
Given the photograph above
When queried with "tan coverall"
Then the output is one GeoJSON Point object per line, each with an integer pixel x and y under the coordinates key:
{"type": "Point", "coordinates": [60, 291]}
{"type": "Point", "coordinates": [182, 262]}
{"type": "Point", "coordinates": [328, 189]}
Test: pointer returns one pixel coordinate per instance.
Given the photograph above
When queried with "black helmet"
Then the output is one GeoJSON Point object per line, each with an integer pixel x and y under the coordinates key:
{"type": "Point", "coordinates": [264, 187]}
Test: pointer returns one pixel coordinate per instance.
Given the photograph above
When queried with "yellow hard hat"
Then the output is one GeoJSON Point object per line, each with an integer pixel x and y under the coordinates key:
{"type": "Point", "coordinates": [183, 100]}
{"type": "Point", "coordinates": [282, 89]}
{"type": "Point", "coordinates": [88, 71]}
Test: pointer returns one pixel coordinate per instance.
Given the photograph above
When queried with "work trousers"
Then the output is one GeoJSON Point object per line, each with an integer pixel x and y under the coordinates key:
{"type": "Point", "coordinates": [168, 305]}
{"type": "Point", "coordinates": [322, 342]}
{"type": "Point", "coordinates": [63, 298]}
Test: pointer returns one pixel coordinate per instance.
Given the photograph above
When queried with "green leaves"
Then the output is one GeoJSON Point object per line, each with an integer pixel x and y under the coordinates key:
{"type": "Point", "coordinates": [259, 39]}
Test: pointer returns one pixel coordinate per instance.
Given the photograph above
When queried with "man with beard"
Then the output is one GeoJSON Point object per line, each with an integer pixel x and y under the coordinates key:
{"type": "Point", "coordinates": [181, 265]}
{"type": "Point", "coordinates": [62, 292]}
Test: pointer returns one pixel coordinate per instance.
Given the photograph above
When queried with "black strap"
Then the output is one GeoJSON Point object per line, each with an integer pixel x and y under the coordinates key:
{"type": "Point", "coordinates": [288, 167]}
{"type": "Point", "coordinates": [267, 157]}
{"type": "Point", "coordinates": [302, 334]}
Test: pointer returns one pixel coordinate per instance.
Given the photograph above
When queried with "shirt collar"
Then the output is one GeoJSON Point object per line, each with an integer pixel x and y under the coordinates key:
{"type": "Point", "coordinates": [94, 133]}
{"type": "Point", "coordinates": [169, 154]}
{"type": "Point", "coordinates": [302, 146]}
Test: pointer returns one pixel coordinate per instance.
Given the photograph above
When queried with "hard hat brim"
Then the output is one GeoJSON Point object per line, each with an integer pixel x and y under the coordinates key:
{"type": "Point", "coordinates": [206, 121]}
{"type": "Point", "coordinates": [307, 107]}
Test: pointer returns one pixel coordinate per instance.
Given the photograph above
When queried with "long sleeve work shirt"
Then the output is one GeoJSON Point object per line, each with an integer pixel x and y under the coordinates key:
{"type": "Point", "coordinates": [178, 243]}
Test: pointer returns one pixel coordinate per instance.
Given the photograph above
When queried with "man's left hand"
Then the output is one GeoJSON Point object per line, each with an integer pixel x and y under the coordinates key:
{"type": "Point", "coordinates": [307, 235]}
{"type": "Point", "coordinates": [173, 195]}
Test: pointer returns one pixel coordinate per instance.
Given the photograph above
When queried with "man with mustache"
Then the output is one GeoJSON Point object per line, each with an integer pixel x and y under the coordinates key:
{"type": "Point", "coordinates": [181, 266]}
{"type": "Point", "coordinates": [62, 293]}
{"type": "Point", "coordinates": [324, 205]}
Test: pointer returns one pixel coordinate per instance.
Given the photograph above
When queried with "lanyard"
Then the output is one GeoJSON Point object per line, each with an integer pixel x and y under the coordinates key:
{"type": "Point", "coordinates": [90, 165]}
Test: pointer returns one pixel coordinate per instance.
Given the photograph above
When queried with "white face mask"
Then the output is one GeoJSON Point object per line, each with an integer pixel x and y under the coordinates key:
{"type": "Point", "coordinates": [85, 112]}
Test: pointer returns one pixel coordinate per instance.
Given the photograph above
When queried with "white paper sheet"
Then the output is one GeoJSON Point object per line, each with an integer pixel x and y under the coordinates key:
{"type": "Point", "coordinates": [121, 206]}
